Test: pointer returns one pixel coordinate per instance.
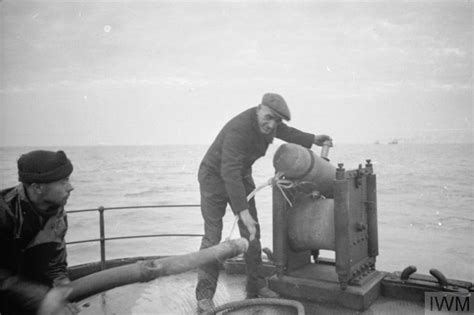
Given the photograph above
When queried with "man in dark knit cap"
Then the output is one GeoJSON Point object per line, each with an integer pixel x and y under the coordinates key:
{"type": "Point", "coordinates": [225, 176]}
{"type": "Point", "coordinates": [33, 275]}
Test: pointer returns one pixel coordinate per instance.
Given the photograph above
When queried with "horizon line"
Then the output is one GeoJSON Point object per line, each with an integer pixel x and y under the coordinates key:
{"type": "Point", "coordinates": [208, 144]}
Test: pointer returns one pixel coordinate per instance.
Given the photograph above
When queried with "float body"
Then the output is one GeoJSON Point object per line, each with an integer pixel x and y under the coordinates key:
{"type": "Point", "coordinates": [300, 164]}
{"type": "Point", "coordinates": [151, 269]}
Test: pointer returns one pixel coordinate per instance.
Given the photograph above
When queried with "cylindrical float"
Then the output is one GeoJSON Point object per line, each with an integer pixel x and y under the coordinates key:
{"type": "Point", "coordinates": [299, 163]}
{"type": "Point", "coordinates": [311, 225]}
{"type": "Point", "coordinates": [148, 270]}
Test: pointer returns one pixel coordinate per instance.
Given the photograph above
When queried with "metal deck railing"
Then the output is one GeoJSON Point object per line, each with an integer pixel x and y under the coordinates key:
{"type": "Point", "coordinates": [102, 238]}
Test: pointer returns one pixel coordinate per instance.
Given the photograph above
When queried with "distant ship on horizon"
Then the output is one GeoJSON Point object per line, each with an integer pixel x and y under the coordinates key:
{"type": "Point", "coordinates": [394, 141]}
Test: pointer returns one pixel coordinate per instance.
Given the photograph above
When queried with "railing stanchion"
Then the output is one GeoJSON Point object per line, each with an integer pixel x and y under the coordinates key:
{"type": "Point", "coordinates": [102, 237]}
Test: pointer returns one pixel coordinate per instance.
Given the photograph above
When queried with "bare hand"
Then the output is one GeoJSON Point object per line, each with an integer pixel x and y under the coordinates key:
{"type": "Point", "coordinates": [55, 303]}
{"type": "Point", "coordinates": [249, 223]}
{"type": "Point", "coordinates": [320, 139]}
{"type": "Point", "coordinates": [74, 308]}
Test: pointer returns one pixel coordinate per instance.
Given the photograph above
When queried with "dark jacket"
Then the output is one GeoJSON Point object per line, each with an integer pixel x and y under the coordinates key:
{"type": "Point", "coordinates": [32, 252]}
{"type": "Point", "coordinates": [237, 146]}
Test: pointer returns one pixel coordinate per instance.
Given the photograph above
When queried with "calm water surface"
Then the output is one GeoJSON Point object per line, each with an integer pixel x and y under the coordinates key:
{"type": "Point", "coordinates": [425, 200]}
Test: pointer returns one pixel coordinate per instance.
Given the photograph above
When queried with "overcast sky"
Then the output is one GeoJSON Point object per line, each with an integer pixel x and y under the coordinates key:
{"type": "Point", "coordinates": [160, 72]}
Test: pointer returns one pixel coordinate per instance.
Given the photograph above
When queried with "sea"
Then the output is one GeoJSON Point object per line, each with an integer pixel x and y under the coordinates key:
{"type": "Point", "coordinates": [425, 196]}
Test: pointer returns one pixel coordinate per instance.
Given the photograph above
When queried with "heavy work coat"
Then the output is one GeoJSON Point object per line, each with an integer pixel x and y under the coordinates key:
{"type": "Point", "coordinates": [32, 252]}
{"type": "Point", "coordinates": [227, 164]}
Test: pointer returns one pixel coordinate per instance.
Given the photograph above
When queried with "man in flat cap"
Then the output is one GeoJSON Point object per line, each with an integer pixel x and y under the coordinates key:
{"type": "Point", "coordinates": [225, 176]}
{"type": "Point", "coordinates": [33, 275]}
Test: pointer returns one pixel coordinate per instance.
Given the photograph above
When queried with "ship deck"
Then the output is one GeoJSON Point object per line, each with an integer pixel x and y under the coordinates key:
{"type": "Point", "coordinates": [175, 295]}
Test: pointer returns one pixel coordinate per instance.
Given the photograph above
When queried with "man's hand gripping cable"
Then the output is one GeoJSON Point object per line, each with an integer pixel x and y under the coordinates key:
{"type": "Point", "coordinates": [279, 181]}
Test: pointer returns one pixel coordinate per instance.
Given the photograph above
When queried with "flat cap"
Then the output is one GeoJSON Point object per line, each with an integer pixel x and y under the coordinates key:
{"type": "Point", "coordinates": [43, 167]}
{"type": "Point", "coordinates": [276, 103]}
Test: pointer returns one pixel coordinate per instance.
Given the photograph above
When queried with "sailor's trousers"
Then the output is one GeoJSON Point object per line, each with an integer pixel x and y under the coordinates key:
{"type": "Point", "coordinates": [214, 200]}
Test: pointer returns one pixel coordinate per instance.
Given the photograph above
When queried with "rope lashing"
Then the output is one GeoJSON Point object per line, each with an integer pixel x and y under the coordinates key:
{"type": "Point", "coordinates": [277, 181]}
{"type": "Point", "coordinates": [281, 184]}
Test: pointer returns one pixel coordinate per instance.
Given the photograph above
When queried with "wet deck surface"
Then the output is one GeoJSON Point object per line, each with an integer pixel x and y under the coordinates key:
{"type": "Point", "coordinates": [167, 295]}
{"type": "Point", "coordinates": [175, 295]}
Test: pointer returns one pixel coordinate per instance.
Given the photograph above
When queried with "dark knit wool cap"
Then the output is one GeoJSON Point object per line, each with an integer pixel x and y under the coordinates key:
{"type": "Point", "coordinates": [43, 167]}
{"type": "Point", "coordinates": [277, 104]}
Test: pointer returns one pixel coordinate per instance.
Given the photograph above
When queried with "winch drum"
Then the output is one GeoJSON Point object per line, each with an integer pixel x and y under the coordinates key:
{"type": "Point", "coordinates": [311, 224]}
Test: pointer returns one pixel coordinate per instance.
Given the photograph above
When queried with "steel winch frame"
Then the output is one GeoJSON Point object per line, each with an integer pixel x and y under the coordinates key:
{"type": "Point", "coordinates": [356, 234]}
